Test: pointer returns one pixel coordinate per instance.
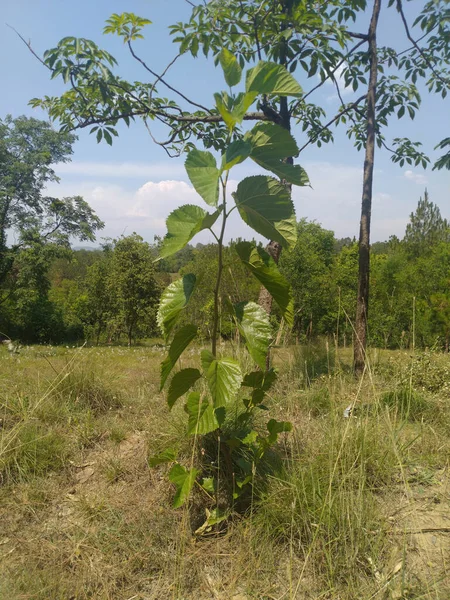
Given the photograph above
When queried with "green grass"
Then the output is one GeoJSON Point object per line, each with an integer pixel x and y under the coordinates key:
{"type": "Point", "coordinates": [83, 516]}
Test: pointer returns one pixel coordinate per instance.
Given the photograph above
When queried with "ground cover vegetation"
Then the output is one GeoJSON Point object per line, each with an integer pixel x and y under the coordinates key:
{"type": "Point", "coordinates": [353, 507]}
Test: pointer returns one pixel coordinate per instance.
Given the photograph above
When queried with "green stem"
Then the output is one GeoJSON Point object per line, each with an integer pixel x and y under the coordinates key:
{"type": "Point", "coordinates": [219, 269]}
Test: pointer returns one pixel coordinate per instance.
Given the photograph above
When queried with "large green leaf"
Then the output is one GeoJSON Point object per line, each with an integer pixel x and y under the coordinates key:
{"type": "Point", "coordinates": [204, 175]}
{"type": "Point", "coordinates": [272, 78]}
{"type": "Point", "coordinates": [173, 300]}
{"type": "Point", "coordinates": [236, 153]}
{"type": "Point", "coordinates": [254, 325]}
{"type": "Point", "coordinates": [231, 68]}
{"type": "Point", "coordinates": [228, 117]}
{"type": "Point", "coordinates": [270, 141]}
{"type": "Point", "coordinates": [224, 377]}
{"type": "Point", "coordinates": [294, 174]}
{"type": "Point", "coordinates": [202, 418]}
{"type": "Point", "coordinates": [263, 267]}
{"type": "Point", "coordinates": [183, 480]}
{"type": "Point", "coordinates": [265, 204]}
{"type": "Point", "coordinates": [242, 104]}
{"type": "Point", "coordinates": [183, 224]}
{"type": "Point", "coordinates": [180, 383]}
{"type": "Point", "coordinates": [260, 379]}
{"type": "Point", "coordinates": [180, 342]}
{"type": "Point", "coordinates": [270, 145]}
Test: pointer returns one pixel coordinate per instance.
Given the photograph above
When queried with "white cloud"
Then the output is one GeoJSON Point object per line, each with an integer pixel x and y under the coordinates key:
{"type": "Point", "coordinates": [124, 170]}
{"type": "Point", "coordinates": [417, 178]}
{"type": "Point", "coordinates": [145, 209]}
{"type": "Point", "coordinates": [334, 200]}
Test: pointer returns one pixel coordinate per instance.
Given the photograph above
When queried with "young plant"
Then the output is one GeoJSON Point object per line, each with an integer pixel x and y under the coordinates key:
{"type": "Point", "coordinates": [265, 204]}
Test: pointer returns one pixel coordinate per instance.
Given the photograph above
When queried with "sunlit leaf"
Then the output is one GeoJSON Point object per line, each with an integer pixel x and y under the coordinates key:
{"type": "Point", "coordinates": [183, 224]}
{"type": "Point", "coordinates": [272, 78]}
{"type": "Point", "coordinates": [204, 175]}
{"type": "Point", "coordinates": [173, 300]}
{"type": "Point", "coordinates": [254, 325]}
{"type": "Point", "coordinates": [202, 418]}
{"type": "Point", "coordinates": [231, 68]}
{"type": "Point", "coordinates": [265, 205]}
{"type": "Point", "coordinates": [236, 153]}
{"type": "Point", "coordinates": [183, 481]}
{"type": "Point", "coordinates": [224, 378]}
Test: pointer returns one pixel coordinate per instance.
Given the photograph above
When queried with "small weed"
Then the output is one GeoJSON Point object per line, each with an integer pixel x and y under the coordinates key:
{"type": "Point", "coordinates": [117, 434]}
{"type": "Point", "coordinates": [113, 470]}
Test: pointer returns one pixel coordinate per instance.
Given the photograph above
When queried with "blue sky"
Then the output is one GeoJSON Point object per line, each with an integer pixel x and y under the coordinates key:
{"type": "Point", "coordinates": [134, 185]}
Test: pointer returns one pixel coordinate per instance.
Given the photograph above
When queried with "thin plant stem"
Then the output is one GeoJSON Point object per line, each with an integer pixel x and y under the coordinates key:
{"type": "Point", "coordinates": [219, 268]}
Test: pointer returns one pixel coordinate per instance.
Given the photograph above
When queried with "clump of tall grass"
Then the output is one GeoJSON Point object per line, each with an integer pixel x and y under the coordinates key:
{"type": "Point", "coordinates": [406, 403]}
{"type": "Point", "coordinates": [324, 510]}
{"type": "Point", "coordinates": [84, 389]}
{"type": "Point", "coordinates": [312, 360]}
{"type": "Point", "coordinates": [31, 449]}
{"type": "Point", "coordinates": [33, 439]}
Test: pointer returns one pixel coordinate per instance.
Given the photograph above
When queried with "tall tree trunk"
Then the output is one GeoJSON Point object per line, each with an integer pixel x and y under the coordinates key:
{"type": "Point", "coordinates": [362, 303]}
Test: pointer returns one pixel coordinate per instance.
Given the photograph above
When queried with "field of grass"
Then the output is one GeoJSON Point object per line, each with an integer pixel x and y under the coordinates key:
{"type": "Point", "coordinates": [355, 506]}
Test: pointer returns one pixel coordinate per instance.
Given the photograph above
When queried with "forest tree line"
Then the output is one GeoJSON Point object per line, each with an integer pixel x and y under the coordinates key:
{"type": "Point", "coordinates": [55, 294]}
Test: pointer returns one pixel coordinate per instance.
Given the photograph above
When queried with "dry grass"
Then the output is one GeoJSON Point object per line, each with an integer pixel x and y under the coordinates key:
{"type": "Point", "coordinates": [358, 508]}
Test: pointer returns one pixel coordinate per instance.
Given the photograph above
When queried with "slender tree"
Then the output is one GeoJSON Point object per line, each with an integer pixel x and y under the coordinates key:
{"type": "Point", "coordinates": [362, 303]}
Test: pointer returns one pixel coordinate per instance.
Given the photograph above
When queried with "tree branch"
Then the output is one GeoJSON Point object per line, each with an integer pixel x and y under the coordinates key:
{"type": "Point", "coordinates": [330, 74]}
{"type": "Point", "coordinates": [159, 78]}
{"type": "Point", "coordinates": [416, 45]}
{"type": "Point", "coordinates": [335, 118]}
{"type": "Point", "coordinates": [28, 45]}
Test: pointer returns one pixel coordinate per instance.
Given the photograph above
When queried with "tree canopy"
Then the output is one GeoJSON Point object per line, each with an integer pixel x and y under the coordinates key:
{"type": "Point", "coordinates": [29, 149]}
